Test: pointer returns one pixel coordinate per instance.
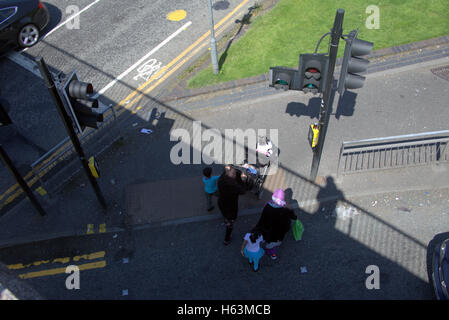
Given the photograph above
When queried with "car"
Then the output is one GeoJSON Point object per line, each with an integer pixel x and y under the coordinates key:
{"type": "Point", "coordinates": [440, 270]}
{"type": "Point", "coordinates": [21, 23]}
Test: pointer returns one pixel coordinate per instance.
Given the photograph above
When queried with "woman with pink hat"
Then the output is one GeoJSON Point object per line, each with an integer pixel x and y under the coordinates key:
{"type": "Point", "coordinates": [275, 222]}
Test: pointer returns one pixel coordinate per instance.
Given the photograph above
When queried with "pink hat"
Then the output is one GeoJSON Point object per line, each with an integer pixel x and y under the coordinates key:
{"type": "Point", "coordinates": [279, 197]}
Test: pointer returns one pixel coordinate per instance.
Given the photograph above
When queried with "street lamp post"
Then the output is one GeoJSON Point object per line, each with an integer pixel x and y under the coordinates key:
{"type": "Point", "coordinates": [213, 45]}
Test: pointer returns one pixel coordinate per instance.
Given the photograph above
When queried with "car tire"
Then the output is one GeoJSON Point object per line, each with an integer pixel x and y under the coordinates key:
{"type": "Point", "coordinates": [28, 35]}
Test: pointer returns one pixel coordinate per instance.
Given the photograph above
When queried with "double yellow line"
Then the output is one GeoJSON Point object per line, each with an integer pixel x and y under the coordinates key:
{"type": "Point", "coordinates": [54, 271]}
{"type": "Point", "coordinates": [137, 94]}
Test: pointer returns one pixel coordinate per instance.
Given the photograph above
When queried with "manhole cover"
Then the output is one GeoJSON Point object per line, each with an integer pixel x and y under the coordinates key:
{"type": "Point", "coordinates": [220, 5]}
{"type": "Point", "coordinates": [442, 72]}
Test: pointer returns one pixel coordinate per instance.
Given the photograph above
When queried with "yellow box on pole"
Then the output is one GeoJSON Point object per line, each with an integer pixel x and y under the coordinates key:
{"type": "Point", "coordinates": [93, 166]}
{"type": "Point", "coordinates": [314, 133]}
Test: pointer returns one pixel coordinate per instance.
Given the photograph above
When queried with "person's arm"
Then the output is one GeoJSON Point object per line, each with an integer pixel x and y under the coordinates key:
{"type": "Point", "coordinates": [241, 183]}
{"type": "Point", "coordinates": [243, 247]}
{"type": "Point", "coordinates": [292, 214]}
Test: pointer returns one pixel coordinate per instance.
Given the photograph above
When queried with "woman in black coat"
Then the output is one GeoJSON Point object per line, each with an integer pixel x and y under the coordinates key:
{"type": "Point", "coordinates": [230, 186]}
{"type": "Point", "coordinates": [275, 222]}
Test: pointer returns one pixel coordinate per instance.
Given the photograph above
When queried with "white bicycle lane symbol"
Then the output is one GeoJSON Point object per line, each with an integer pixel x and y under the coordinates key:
{"type": "Point", "coordinates": [147, 69]}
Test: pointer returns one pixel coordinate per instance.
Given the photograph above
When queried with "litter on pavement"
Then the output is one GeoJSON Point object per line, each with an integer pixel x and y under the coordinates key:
{"type": "Point", "coordinates": [303, 270]}
{"type": "Point", "coordinates": [147, 131]}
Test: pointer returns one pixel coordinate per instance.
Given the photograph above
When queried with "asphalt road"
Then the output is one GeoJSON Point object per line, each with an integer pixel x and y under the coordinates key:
{"type": "Point", "coordinates": [189, 261]}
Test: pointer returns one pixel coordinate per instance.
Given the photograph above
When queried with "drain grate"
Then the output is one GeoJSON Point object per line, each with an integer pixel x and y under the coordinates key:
{"type": "Point", "coordinates": [442, 72]}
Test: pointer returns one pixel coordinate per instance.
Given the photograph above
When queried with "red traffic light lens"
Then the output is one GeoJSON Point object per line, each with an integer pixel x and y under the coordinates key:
{"type": "Point", "coordinates": [312, 73]}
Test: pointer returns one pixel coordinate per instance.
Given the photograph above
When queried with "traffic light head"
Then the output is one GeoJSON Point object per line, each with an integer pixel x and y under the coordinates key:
{"type": "Point", "coordinates": [80, 104]}
{"type": "Point", "coordinates": [313, 72]}
{"type": "Point", "coordinates": [353, 63]}
{"type": "Point", "coordinates": [283, 78]}
{"type": "Point", "coordinates": [80, 90]}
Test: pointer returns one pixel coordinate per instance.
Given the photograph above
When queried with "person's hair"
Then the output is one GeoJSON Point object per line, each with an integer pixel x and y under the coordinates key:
{"type": "Point", "coordinates": [255, 234]}
{"type": "Point", "coordinates": [207, 172]}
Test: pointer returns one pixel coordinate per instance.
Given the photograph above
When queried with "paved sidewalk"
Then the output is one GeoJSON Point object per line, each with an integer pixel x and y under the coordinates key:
{"type": "Point", "coordinates": [139, 170]}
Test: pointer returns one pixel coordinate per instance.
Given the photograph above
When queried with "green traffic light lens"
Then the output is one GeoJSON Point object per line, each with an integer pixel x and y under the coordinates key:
{"type": "Point", "coordinates": [281, 82]}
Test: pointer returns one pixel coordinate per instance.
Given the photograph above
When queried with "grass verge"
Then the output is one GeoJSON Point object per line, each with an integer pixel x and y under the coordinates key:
{"type": "Point", "coordinates": [277, 37]}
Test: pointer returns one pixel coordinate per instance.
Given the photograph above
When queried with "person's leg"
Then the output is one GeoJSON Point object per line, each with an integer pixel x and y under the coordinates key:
{"type": "Point", "coordinates": [209, 201]}
{"type": "Point", "coordinates": [271, 249]}
{"type": "Point", "coordinates": [229, 226]}
{"type": "Point", "coordinates": [248, 256]}
{"type": "Point", "coordinates": [256, 258]}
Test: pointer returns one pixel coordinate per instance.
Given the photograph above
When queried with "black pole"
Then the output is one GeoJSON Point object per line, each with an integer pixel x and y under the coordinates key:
{"type": "Point", "coordinates": [323, 120]}
{"type": "Point", "coordinates": [21, 181]}
{"type": "Point", "coordinates": [49, 82]}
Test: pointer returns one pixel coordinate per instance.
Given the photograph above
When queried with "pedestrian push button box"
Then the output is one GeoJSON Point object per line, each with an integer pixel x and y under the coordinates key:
{"type": "Point", "coordinates": [313, 135]}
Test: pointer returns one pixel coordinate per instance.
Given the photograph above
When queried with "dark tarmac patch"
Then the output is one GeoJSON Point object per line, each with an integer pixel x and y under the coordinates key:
{"type": "Point", "coordinates": [220, 5]}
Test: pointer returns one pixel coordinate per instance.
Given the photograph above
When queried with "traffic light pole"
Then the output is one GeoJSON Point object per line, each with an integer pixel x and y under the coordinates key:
{"type": "Point", "coordinates": [324, 116]}
{"type": "Point", "coordinates": [21, 181]}
{"type": "Point", "coordinates": [213, 43]}
{"type": "Point", "coordinates": [49, 82]}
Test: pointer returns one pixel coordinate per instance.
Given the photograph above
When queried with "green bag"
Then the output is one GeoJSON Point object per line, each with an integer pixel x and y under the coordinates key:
{"type": "Point", "coordinates": [298, 229]}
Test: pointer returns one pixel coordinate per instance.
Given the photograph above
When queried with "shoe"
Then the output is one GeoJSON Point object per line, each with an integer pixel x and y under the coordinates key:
{"type": "Point", "coordinates": [255, 270]}
{"type": "Point", "coordinates": [226, 242]}
{"type": "Point", "coordinates": [273, 256]}
{"type": "Point", "coordinates": [211, 208]}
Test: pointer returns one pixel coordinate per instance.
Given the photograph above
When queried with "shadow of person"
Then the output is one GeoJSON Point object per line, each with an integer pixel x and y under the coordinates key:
{"type": "Point", "coordinates": [328, 197]}
{"type": "Point", "coordinates": [292, 203]}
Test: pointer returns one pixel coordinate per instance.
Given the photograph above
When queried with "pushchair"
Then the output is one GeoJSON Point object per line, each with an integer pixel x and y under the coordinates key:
{"type": "Point", "coordinates": [257, 172]}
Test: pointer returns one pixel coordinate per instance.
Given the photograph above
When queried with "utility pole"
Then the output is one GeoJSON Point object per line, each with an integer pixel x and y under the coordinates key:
{"type": "Point", "coordinates": [26, 189]}
{"type": "Point", "coordinates": [213, 44]}
{"type": "Point", "coordinates": [336, 34]}
{"type": "Point", "coordinates": [49, 82]}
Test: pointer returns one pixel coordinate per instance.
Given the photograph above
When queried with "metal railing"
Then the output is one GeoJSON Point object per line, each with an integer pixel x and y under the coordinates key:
{"type": "Point", "coordinates": [393, 152]}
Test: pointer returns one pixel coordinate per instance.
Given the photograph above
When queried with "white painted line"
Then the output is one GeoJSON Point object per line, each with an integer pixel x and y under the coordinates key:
{"type": "Point", "coordinates": [108, 86]}
{"type": "Point", "coordinates": [68, 19]}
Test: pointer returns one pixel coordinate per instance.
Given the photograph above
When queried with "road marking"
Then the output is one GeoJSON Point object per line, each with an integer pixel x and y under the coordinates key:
{"type": "Point", "coordinates": [130, 96]}
{"type": "Point", "coordinates": [68, 19]}
{"type": "Point", "coordinates": [127, 101]}
{"type": "Point", "coordinates": [146, 70]}
{"type": "Point", "coordinates": [129, 104]}
{"type": "Point", "coordinates": [90, 229]}
{"type": "Point", "coordinates": [41, 191]}
{"type": "Point", "coordinates": [127, 71]}
{"type": "Point", "coordinates": [90, 256]}
{"type": "Point", "coordinates": [51, 272]}
{"type": "Point", "coordinates": [176, 15]}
